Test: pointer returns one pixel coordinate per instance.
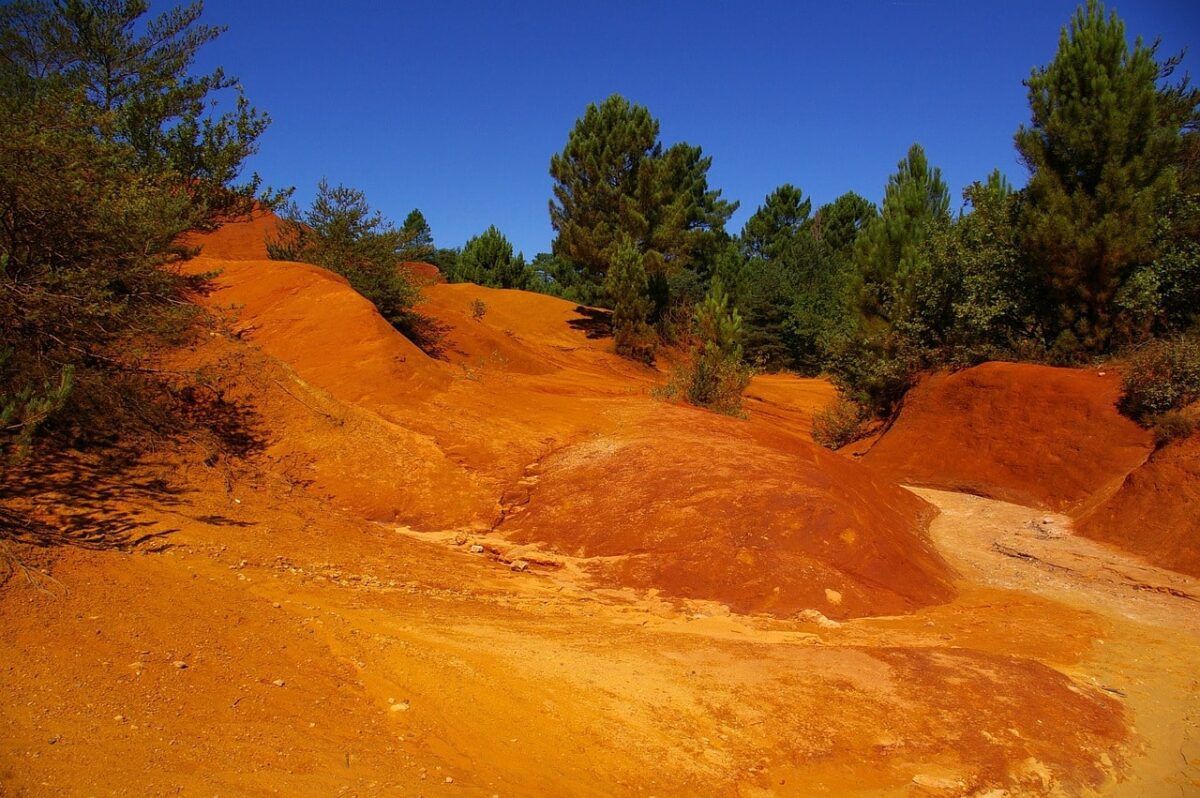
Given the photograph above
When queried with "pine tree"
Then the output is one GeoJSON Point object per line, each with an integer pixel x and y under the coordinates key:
{"type": "Point", "coordinates": [487, 259]}
{"type": "Point", "coordinates": [717, 375]}
{"type": "Point", "coordinates": [109, 151]}
{"type": "Point", "coordinates": [773, 229]}
{"type": "Point", "coordinates": [889, 252]}
{"type": "Point", "coordinates": [1102, 148]}
{"type": "Point", "coordinates": [628, 285]}
{"type": "Point", "coordinates": [342, 233]}
{"type": "Point", "coordinates": [419, 237]}
{"type": "Point", "coordinates": [138, 73]}
{"type": "Point", "coordinates": [614, 181]}
{"type": "Point", "coordinates": [839, 223]}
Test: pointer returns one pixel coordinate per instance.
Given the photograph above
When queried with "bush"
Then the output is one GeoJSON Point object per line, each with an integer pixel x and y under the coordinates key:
{"type": "Point", "coordinates": [478, 309]}
{"type": "Point", "coordinates": [1173, 425]}
{"type": "Point", "coordinates": [839, 423]}
{"type": "Point", "coordinates": [874, 370]}
{"type": "Point", "coordinates": [717, 376]}
{"type": "Point", "coordinates": [629, 287]}
{"type": "Point", "coordinates": [341, 232]}
{"type": "Point", "coordinates": [99, 176]}
{"type": "Point", "coordinates": [1162, 376]}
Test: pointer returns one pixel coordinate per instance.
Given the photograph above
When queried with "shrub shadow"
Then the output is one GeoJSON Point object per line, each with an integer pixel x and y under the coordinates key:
{"type": "Point", "coordinates": [594, 322]}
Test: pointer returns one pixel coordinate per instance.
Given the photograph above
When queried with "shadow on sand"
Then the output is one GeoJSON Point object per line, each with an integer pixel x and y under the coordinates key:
{"type": "Point", "coordinates": [594, 322]}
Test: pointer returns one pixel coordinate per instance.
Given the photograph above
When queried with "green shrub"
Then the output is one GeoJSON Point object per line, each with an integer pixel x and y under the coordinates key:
{"type": "Point", "coordinates": [478, 309]}
{"type": "Point", "coordinates": [1173, 425]}
{"type": "Point", "coordinates": [874, 370]}
{"type": "Point", "coordinates": [629, 287]}
{"type": "Point", "coordinates": [341, 232]}
{"type": "Point", "coordinates": [718, 376]}
{"type": "Point", "coordinates": [839, 423]}
{"type": "Point", "coordinates": [1162, 376]}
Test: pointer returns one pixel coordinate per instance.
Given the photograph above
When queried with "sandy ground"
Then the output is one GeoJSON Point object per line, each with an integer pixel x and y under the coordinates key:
{"type": "Point", "coordinates": [378, 661]}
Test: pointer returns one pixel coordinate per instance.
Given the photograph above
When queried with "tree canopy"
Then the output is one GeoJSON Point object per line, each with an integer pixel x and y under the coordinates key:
{"type": "Point", "coordinates": [1103, 147]}
{"type": "Point", "coordinates": [110, 151]}
{"type": "Point", "coordinates": [614, 181]}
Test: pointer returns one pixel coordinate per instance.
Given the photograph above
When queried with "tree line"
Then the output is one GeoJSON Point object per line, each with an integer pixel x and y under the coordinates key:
{"type": "Point", "coordinates": [1099, 252]}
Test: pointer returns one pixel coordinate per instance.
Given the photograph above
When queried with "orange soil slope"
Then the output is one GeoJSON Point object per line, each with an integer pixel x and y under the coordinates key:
{"type": "Point", "coordinates": [241, 240]}
{"type": "Point", "coordinates": [1033, 435]}
{"type": "Point", "coordinates": [1156, 512]}
{"type": "Point", "coordinates": [695, 505]}
{"type": "Point", "coordinates": [687, 506]}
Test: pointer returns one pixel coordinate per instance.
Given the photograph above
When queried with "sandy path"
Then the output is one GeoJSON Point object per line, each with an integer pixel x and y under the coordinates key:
{"type": "Point", "coordinates": [1151, 656]}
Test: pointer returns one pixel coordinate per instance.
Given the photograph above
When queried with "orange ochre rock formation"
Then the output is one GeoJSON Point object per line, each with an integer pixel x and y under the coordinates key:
{"type": "Point", "coordinates": [529, 426]}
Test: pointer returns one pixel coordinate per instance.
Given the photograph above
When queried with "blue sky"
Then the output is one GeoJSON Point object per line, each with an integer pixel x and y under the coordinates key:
{"type": "Point", "coordinates": [456, 107]}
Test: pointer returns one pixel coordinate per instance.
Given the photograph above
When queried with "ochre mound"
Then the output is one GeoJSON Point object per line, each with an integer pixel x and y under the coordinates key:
{"type": "Point", "coordinates": [1156, 512]}
{"type": "Point", "coordinates": [691, 507]}
{"type": "Point", "coordinates": [1034, 435]}
{"type": "Point", "coordinates": [750, 513]}
{"type": "Point", "coordinates": [245, 239]}
{"type": "Point", "coordinates": [423, 272]}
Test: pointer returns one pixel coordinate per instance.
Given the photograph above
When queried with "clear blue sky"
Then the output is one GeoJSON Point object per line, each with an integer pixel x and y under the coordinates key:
{"type": "Point", "coordinates": [456, 107]}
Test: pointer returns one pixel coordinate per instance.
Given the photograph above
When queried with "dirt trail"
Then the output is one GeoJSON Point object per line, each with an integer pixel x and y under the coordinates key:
{"type": "Point", "coordinates": [1149, 655]}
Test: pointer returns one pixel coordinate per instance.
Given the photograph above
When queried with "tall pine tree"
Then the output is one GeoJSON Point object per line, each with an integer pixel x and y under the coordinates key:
{"type": "Point", "coordinates": [1102, 148]}
{"type": "Point", "coordinates": [614, 180]}
{"type": "Point", "coordinates": [889, 252]}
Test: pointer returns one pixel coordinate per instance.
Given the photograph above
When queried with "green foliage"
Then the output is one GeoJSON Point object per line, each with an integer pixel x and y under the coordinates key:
{"type": "Point", "coordinates": [558, 276]}
{"type": "Point", "coordinates": [1163, 296]}
{"type": "Point", "coordinates": [771, 233]}
{"type": "Point", "coordinates": [971, 295]}
{"type": "Point", "coordinates": [875, 370]}
{"type": "Point", "coordinates": [839, 223]}
{"type": "Point", "coordinates": [137, 75]}
{"type": "Point", "coordinates": [716, 376]}
{"type": "Point", "coordinates": [1103, 148]}
{"type": "Point", "coordinates": [790, 284]}
{"type": "Point", "coordinates": [24, 407]}
{"type": "Point", "coordinates": [1174, 425]}
{"type": "Point", "coordinates": [890, 253]}
{"type": "Point", "coordinates": [478, 309]}
{"type": "Point", "coordinates": [839, 423]}
{"type": "Point", "coordinates": [109, 153]}
{"type": "Point", "coordinates": [614, 182]}
{"type": "Point", "coordinates": [419, 237]}
{"type": "Point", "coordinates": [628, 285]}
{"type": "Point", "coordinates": [487, 259]}
{"type": "Point", "coordinates": [446, 260]}
{"type": "Point", "coordinates": [340, 232]}
{"type": "Point", "coordinates": [1162, 376]}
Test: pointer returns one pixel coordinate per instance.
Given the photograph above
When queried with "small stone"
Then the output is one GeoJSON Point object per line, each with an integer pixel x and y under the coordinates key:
{"type": "Point", "coordinates": [279, 682]}
{"type": "Point", "coordinates": [815, 616]}
{"type": "Point", "coordinates": [179, 664]}
{"type": "Point", "coordinates": [519, 565]}
{"type": "Point", "coordinates": [53, 739]}
{"type": "Point", "coordinates": [449, 779]}
{"type": "Point", "coordinates": [119, 718]}
{"type": "Point", "coordinates": [400, 707]}
{"type": "Point", "coordinates": [276, 605]}
{"type": "Point", "coordinates": [1047, 521]}
{"type": "Point", "coordinates": [476, 549]}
